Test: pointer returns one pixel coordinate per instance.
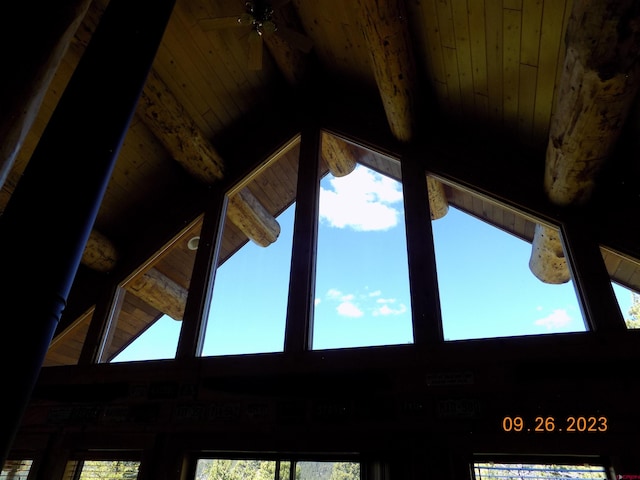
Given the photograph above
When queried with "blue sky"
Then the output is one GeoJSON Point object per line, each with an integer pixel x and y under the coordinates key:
{"type": "Point", "coordinates": [362, 290]}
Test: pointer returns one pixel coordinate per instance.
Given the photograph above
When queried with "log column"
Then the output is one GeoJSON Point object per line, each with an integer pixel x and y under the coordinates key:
{"type": "Point", "coordinates": [48, 220]}
{"type": "Point", "coordinates": [23, 88]}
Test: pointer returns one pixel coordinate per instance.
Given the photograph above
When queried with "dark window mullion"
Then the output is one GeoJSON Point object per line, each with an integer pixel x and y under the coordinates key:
{"type": "Point", "coordinates": [591, 279]}
{"type": "Point", "coordinates": [299, 326]}
{"type": "Point", "coordinates": [204, 271]}
{"type": "Point", "coordinates": [423, 282]}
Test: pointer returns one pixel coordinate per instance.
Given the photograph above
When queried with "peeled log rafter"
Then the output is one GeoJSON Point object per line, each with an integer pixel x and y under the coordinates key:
{"type": "Point", "coordinates": [250, 216]}
{"type": "Point", "coordinates": [169, 121]}
{"type": "Point", "coordinates": [178, 132]}
{"type": "Point", "coordinates": [438, 204]}
{"type": "Point", "coordinates": [160, 292]}
{"type": "Point", "coordinates": [386, 32]}
{"type": "Point", "coordinates": [600, 79]}
{"type": "Point", "coordinates": [99, 254]}
{"type": "Point", "coordinates": [338, 154]}
{"type": "Point", "coordinates": [547, 261]}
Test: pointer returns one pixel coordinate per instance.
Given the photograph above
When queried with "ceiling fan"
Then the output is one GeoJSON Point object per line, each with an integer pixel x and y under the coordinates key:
{"type": "Point", "coordinates": [258, 15]}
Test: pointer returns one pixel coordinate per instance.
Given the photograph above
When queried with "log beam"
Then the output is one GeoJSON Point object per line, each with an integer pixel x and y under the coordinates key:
{"type": "Point", "coordinates": [249, 215]}
{"type": "Point", "coordinates": [160, 292]}
{"type": "Point", "coordinates": [338, 154]}
{"type": "Point", "coordinates": [599, 81]}
{"type": "Point", "coordinates": [547, 261]}
{"type": "Point", "coordinates": [385, 29]}
{"type": "Point", "coordinates": [438, 204]}
{"type": "Point", "coordinates": [178, 132]}
{"type": "Point", "coordinates": [100, 253]}
{"type": "Point", "coordinates": [387, 35]}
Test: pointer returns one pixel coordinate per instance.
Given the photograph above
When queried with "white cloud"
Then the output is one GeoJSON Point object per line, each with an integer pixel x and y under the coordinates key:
{"type": "Point", "coordinates": [317, 301]}
{"type": "Point", "coordinates": [367, 302]}
{"type": "Point", "coordinates": [559, 318]}
{"type": "Point", "coordinates": [386, 310]}
{"type": "Point", "coordinates": [386, 300]}
{"type": "Point", "coordinates": [334, 293]}
{"type": "Point", "coordinates": [348, 309]}
{"type": "Point", "coordinates": [362, 200]}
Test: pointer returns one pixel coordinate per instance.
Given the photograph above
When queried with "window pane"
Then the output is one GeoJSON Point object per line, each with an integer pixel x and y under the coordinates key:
{"type": "Point", "coordinates": [524, 471]}
{"type": "Point", "coordinates": [249, 299]}
{"type": "Point", "coordinates": [625, 280]}
{"type": "Point", "coordinates": [148, 310]}
{"type": "Point", "coordinates": [362, 281]}
{"type": "Point", "coordinates": [102, 469]}
{"type": "Point", "coordinates": [159, 341]}
{"type": "Point", "coordinates": [327, 471]}
{"type": "Point", "coordinates": [226, 469]}
{"type": "Point", "coordinates": [486, 282]}
{"type": "Point", "coordinates": [629, 303]}
{"type": "Point", "coordinates": [16, 469]}
{"type": "Point", "coordinates": [249, 304]}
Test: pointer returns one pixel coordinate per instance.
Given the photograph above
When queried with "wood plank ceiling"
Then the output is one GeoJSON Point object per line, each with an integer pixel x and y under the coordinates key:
{"type": "Point", "coordinates": [490, 65]}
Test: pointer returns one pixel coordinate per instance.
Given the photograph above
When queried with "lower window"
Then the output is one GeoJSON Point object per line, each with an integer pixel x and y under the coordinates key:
{"type": "Point", "coordinates": [252, 469]}
{"type": "Point", "coordinates": [535, 471]}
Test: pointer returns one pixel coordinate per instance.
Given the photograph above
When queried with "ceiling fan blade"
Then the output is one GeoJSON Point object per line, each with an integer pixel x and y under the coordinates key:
{"type": "Point", "coordinates": [275, 4]}
{"type": "Point", "coordinates": [216, 23]}
{"type": "Point", "coordinates": [255, 50]}
{"type": "Point", "coordinates": [295, 39]}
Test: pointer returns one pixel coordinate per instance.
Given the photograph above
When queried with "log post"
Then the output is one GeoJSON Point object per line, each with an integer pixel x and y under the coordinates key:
{"type": "Point", "coordinates": [103, 90]}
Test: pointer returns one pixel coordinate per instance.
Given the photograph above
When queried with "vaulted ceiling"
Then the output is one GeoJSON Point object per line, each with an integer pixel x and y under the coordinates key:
{"type": "Point", "coordinates": [533, 93]}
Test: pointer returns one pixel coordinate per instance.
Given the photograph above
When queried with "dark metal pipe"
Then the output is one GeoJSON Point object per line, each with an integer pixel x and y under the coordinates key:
{"type": "Point", "coordinates": [47, 222]}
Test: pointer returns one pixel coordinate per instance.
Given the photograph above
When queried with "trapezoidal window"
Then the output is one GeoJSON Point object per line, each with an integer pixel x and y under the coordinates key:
{"type": "Point", "coordinates": [500, 273]}
{"type": "Point", "coordinates": [248, 307]}
{"type": "Point", "coordinates": [147, 310]}
{"type": "Point", "coordinates": [362, 281]}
